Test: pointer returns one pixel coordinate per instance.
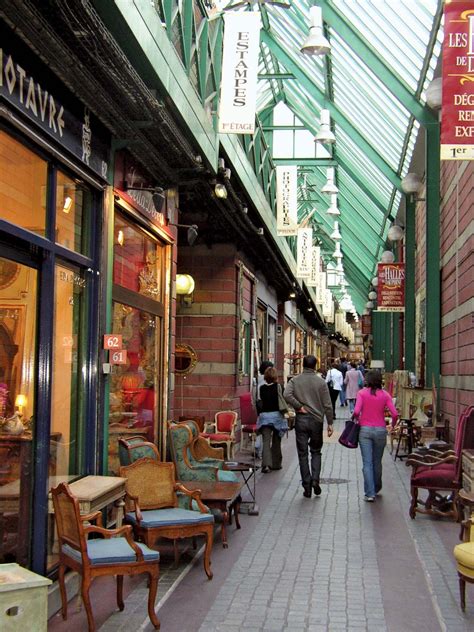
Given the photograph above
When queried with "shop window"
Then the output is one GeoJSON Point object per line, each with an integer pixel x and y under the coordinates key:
{"type": "Point", "coordinates": [134, 385]}
{"type": "Point", "coordinates": [138, 260]}
{"type": "Point", "coordinates": [271, 338]}
{"type": "Point", "coordinates": [245, 349]}
{"type": "Point", "coordinates": [18, 304]}
{"type": "Point", "coordinates": [23, 178]}
{"type": "Point", "coordinates": [73, 203]}
{"type": "Point", "coordinates": [67, 392]}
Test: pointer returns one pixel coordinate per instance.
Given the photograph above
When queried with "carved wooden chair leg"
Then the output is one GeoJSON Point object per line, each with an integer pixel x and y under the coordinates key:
{"type": "Point", "coordinates": [207, 551]}
{"type": "Point", "coordinates": [194, 542]}
{"type": "Point", "coordinates": [120, 603]}
{"type": "Point", "coordinates": [62, 588]}
{"type": "Point", "coordinates": [151, 601]}
{"type": "Point", "coordinates": [176, 552]}
{"type": "Point", "coordinates": [86, 584]}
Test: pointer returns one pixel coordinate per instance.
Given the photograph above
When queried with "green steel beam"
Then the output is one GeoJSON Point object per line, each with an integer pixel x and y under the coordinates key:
{"type": "Point", "coordinates": [410, 284]}
{"type": "Point", "coordinates": [336, 114]}
{"type": "Point", "coordinates": [433, 274]}
{"type": "Point", "coordinates": [276, 75]}
{"type": "Point", "coordinates": [380, 69]}
{"type": "Point", "coordinates": [306, 162]}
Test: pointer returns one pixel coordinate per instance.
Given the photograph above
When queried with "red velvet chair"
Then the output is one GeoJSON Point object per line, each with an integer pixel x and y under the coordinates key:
{"type": "Point", "coordinates": [222, 431]}
{"type": "Point", "coordinates": [248, 420]}
{"type": "Point", "coordinates": [440, 473]}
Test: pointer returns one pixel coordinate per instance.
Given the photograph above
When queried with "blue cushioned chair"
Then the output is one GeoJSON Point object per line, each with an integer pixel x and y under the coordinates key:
{"type": "Point", "coordinates": [154, 511]}
{"type": "Point", "coordinates": [134, 448]}
{"type": "Point", "coordinates": [116, 554]}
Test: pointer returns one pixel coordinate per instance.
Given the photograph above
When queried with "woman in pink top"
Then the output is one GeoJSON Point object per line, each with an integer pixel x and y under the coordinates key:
{"type": "Point", "coordinates": [370, 411]}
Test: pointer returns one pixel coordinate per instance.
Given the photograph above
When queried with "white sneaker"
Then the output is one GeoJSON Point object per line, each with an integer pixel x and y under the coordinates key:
{"type": "Point", "coordinates": [369, 499]}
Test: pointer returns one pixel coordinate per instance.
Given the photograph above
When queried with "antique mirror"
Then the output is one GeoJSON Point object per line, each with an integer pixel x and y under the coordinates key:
{"type": "Point", "coordinates": [185, 359]}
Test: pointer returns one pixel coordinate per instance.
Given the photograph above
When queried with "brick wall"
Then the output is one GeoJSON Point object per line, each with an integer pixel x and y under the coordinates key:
{"type": "Point", "coordinates": [210, 326]}
{"type": "Point", "coordinates": [457, 288]}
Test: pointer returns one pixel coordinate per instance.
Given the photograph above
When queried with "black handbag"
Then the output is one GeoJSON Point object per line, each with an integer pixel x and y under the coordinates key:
{"type": "Point", "coordinates": [350, 435]}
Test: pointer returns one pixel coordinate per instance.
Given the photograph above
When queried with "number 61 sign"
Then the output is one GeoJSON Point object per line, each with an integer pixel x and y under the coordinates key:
{"type": "Point", "coordinates": [118, 357]}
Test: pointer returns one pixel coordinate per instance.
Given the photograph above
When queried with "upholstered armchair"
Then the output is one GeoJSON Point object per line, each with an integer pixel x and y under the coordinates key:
{"type": "Point", "coordinates": [222, 431]}
{"type": "Point", "coordinates": [189, 468]}
{"type": "Point", "coordinates": [115, 553]}
{"type": "Point", "coordinates": [152, 506]}
{"type": "Point", "coordinates": [134, 448]}
{"type": "Point", "coordinates": [439, 473]}
{"type": "Point", "coordinates": [464, 555]}
{"type": "Point", "coordinates": [200, 452]}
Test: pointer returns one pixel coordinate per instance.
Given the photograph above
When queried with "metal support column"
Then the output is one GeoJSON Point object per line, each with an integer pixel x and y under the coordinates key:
{"type": "Point", "coordinates": [410, 284]}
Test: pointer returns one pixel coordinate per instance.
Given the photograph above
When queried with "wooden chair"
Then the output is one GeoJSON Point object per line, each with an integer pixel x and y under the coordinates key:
{"type": "Point", "coordinates": [200, 452]}
{"type": "Point", "coordinates": [437, 472]}
{"type": "Point", "coordinates": [114, 554]}
{"type": "Point", "coordinates": [223, 431]}
{"type": "Point", "coordinates": [153, 507]}
{"type": "Point", "coordinates": [134, 448]}
{"type": "Point", "coordinates": [464, 554]}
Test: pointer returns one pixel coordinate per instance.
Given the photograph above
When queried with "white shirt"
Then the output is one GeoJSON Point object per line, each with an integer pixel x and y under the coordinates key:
{"type": "Point", "coordinates": [336, 377]}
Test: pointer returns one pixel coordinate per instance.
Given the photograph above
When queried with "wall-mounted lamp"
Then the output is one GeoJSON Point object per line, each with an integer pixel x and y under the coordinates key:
{"type": "Point", "coordinates": [185, 288]}
{"type": "Point", "coordinates": [157, 195]}
{"type": "Point", "coordinates": [434, 94]}
{"type": "Point", "coordinates": [387, 256]}
{"type": "Point", "coordinates": [292, 295]}
{"type": "Point", "coordinates": [411, 183]}
{"type": "Point", "coordinates": [309, 309]}
{"type": "Point", "coordinates": [120, 238]}
{"type": "Point", "coordinates": [375, 281]}
{"type": "Point", "coordinates": [192, 233]}
{"type": "Point", "coordinates": [325, 134]}
{"type": "Point", "coordinates": [20, 402]}
{"type": "Point", "coordinates": [395, 232]}
{"type": "Point", "coordinates": [369, 305]}
{"type": "Point", "coordinates": [372, 296]}
{"type": "Point", "coordinates": [67, 204]}
{"type": "Point", "coordinates": [316, 43]}
{"type": "Point", "coordinates": [220, 191]}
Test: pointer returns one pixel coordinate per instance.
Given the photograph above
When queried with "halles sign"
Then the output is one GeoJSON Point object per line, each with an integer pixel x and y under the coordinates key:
{"type": "Point", "coordinates": [287, 204]}
{"type": "Point", "coordinates": [457, 114]}
{"type": "Point", "coordinates": [391, 287]}
{"type": "Point", "coordinates": [239, 73]}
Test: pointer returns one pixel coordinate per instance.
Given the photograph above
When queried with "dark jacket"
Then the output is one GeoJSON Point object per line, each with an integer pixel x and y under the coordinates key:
{"type": "Point", "coordinates": [311, 391]}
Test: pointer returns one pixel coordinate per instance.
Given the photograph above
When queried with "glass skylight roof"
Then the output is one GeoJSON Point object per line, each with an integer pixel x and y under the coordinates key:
{"type": "Point", "coordinates": [405, 36]}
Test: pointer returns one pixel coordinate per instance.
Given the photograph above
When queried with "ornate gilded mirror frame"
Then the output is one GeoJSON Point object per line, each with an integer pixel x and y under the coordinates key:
{"type": "Point", "coordinates": [185, 359]}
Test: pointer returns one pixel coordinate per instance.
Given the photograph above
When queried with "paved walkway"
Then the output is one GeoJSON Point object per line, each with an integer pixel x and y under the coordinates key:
{"type": "Point", "coordinates": [329, 563]}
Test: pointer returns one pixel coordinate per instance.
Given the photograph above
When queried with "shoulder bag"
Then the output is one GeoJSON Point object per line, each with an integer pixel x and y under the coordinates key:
{"type": "Point", "coordinates": [350, 435]}
{"type": "Point", "coordinates": [282, 405]}
{"type": "Point", "coordinates": [330, 383]}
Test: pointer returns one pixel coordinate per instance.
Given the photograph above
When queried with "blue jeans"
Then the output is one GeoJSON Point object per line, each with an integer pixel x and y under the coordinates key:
{"type": "Point", "coordinates": [372, 441]}
{"type": "Point", "coordinates": [352, 404]}
{"type": "Point", "coordinates": [342, 395]}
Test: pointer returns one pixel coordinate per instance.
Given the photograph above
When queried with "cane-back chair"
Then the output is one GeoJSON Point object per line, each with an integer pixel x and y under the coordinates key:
{"type": "Point", "coordinates": [134, 448]}
{"type": "Point", "coordinates": [222, 431]}
{"type": "Point", "coordinates": [115, 553]}
{"type": "Point", "coordinates": [152, 506]}
{"type": "Point", "coordinates": [440, 473]}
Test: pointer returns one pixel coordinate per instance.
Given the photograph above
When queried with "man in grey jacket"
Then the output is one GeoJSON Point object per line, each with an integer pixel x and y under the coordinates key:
{"type": "Point", "coordinates": [309, 395]}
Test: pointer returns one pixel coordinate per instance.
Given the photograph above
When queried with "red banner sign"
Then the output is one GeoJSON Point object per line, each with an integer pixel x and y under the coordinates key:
{"type": "Point", "coordinates": [391, 287]}
{"type": "Point", "coordinates": [457, 124]}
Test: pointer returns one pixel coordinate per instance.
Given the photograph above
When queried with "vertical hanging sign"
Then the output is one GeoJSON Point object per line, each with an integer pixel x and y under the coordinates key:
{"type": "Point", "coordinates": [457, 114]}
{"type": "Point", "coordinates": [304, 247]}
{"type": "Point", "coordinates": [321, 289]}
{"type": "Point", "coordinates": [391, 287]}
{"type": "Point", "coordinates": [314, 278]}
{"type": "Point", "coordinates": [238, 98]}
{"type": "Point", "coordinates": [287, 205]}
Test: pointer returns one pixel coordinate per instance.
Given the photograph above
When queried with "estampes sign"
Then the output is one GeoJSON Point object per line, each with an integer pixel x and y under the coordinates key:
{"type": "Point", "coordinates": [238, 98]}
{"type": "Point", "coordinates": [26, 85]}
{"type": "Point", "coordinates": [457, 114]}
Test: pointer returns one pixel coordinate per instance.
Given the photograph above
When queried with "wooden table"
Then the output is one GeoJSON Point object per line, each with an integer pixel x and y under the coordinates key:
{"type": "Point", "coordinates": [222, 496]}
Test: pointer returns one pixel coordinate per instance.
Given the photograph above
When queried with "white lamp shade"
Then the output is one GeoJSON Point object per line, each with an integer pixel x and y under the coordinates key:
{"type": "Point", "coordinates": [337, 254]}
{"type": "Point", "coordinates": [387, 256]}
{"type": "Point", "coordinates": [369, 305]}
{"type": "Point", "coordinates": [335, 233]}
{"type": "Point", "coordinates": [375, 281]}
{"type": "Point", "coordinates": [395, 233]}
{"type": "Point", "coordinates": [434, 94]}
{"type": "Point", "coordinates": [325, 134]}
{"type": "Point", "coordinates": [411, 183]}
{"type": "Point", "coordinates": [330, 187]}
{"type": "Point", "coordinates": [372, 296]}
{"type": "Point", "coordinates": [333, 208]}
{"type": "Point", "coordinates": [316, 43]}
{"type": "Point", "coordinates": [184, 284]}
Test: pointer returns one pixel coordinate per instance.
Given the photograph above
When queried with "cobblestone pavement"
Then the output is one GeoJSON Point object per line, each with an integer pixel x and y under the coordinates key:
{"type": "Point", "coordinates": [331, 562]}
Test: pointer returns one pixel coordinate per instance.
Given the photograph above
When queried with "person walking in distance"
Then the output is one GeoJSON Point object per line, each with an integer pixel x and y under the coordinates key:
{"type": "Point", "coordinates": [354, 381]}
{"type": "Point", "coordinates": [271, 424]}
{"type": "Point", "coordinates": [308, 394]}
{"type": "Point", "coordinates": [370, 410]}
{"type": "Point", "coordinates": [334, 381]}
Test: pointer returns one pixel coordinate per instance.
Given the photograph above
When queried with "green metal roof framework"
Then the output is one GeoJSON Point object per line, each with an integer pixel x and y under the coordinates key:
{"type": "Point", "coordinates": [373, 82]}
